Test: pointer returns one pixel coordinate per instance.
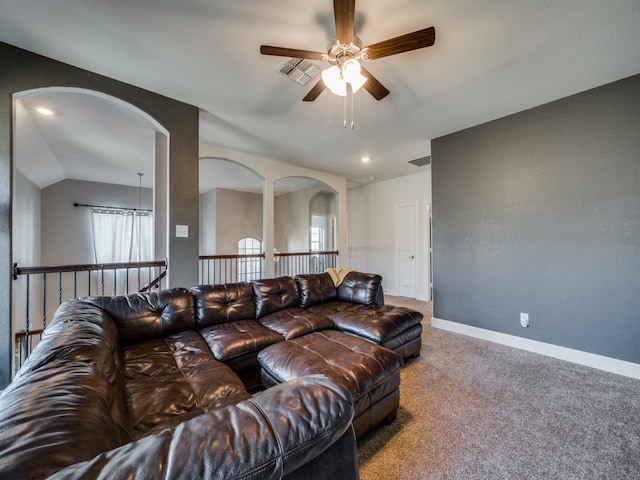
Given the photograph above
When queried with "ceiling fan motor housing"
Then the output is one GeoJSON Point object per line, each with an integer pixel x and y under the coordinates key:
{"type": "Point", "coordinates": [338, 53]}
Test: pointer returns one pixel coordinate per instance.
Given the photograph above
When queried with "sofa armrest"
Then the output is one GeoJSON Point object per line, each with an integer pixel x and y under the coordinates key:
{"type": "Point", "coordinates": [268, 436]}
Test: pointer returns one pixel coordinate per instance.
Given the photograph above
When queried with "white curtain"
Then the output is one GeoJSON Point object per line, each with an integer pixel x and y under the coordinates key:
{"type": "Point", "coordinates": [121, 236]}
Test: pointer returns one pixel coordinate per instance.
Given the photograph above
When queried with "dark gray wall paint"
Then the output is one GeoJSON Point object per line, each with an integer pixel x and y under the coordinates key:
{"type": "Point", "coordinates": [22, 70]}
{"type": "Point", "coordinates": [539, 212]}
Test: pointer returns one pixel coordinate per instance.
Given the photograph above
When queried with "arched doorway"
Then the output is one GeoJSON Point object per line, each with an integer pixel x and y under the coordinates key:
{"type": "Point", "coordinates": [304, 225]}
{"type": "Point", "coordinates": [231, 222]}
{"type": "Point", "coordinates": [84, 170]}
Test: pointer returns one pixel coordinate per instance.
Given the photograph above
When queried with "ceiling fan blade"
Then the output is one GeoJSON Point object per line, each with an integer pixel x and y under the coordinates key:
{"type": "Point", "coordinates": [373, 86]}
{"type": "Point", "coordinates": [344, 12]}
{"type": "Point", "coordinates": [404, 43]}
{"type": "Point", "coordinates": [317, 89]}
{"type": "Point", "coordinates": [290, 52]}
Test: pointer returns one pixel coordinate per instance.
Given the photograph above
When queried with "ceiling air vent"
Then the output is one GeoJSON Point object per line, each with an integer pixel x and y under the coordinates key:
{"type": "Point", "coordinates": [421, 162]}
{"type": "Point", "coordinates": [300, 70]}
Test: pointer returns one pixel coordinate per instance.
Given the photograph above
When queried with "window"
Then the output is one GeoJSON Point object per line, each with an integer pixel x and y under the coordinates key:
{"type": "Point", "coordinates": [249, 268]}
{"type": "Point", "coordinates": [317, 239]}
{"type": "Point", "coordinates": [121, 236]}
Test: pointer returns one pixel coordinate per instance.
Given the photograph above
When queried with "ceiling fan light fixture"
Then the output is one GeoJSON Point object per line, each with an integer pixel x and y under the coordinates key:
{"type": "Point", "coordinates": [336, 77]}
{"type": "Point", "coordinates": [332, 78]}
{"type": "Point", "coordinates": [351, 70]}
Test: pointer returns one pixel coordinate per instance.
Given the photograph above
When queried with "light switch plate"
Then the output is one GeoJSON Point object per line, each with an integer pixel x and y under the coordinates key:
{"type": "Point", "coordinates": [182, 231]}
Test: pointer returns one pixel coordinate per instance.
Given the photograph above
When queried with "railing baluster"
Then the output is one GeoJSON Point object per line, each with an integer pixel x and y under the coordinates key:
{"type": "Point", "coordinates": [26, 325]}
{"type": "Point", "coordinates": [44, 300]}
{"type": "Point", "coordinates": [25, 340]}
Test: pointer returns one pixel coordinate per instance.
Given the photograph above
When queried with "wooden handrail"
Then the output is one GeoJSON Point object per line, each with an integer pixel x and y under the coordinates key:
{"type": "Point", "coordinates": [223, 257]}
{"type": "Point", "coordinates": [300, 254]}
{"type": "Point", "coordinates": [83, 267]}
{"type": "Point", "coordinates": [23, 333]}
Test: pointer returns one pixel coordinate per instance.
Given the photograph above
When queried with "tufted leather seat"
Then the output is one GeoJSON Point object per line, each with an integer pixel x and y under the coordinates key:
{"type": "Point", "coordinates": [295, 322]}
{"type": "Point", "coordinates": [369, 372]}
{"type": "Point", "coordinates": [172, 379]}
{"type": "Point", "coordinates": [225, 317]}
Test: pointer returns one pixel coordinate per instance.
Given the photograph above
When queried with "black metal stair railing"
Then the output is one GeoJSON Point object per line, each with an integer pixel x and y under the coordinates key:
{"type": "Point", "coordinates": [39, 290]}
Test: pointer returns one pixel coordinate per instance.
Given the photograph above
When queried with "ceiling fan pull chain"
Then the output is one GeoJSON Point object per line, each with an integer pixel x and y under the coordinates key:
{"type": "Point", "coordinates": [344, 111]}
{"type": "Point", "coordinates": [351, 95]}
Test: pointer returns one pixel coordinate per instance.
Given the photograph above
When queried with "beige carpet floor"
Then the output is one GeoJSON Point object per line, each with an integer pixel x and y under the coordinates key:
{"type": "Point", "coordinates": [471, 409]}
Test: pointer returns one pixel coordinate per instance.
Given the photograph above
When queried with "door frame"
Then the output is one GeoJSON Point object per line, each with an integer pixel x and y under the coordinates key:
{"type": "Point", "coordinates": [416, 244]}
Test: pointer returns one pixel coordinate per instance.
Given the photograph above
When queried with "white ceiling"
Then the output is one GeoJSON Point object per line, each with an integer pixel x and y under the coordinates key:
{"type": "Point", "coordinates": [491, 58]}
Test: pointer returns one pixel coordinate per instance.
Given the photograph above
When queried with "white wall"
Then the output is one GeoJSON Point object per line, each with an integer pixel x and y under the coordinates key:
{"type": "Point", "coordinates": [372, 227]}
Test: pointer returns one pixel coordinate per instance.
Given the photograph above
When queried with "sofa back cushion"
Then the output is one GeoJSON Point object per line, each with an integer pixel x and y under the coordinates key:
{"type": "Point", "coordinates": [315, 289]}
{"type": "Point", "coordinates": [217, 304]}
{"type": "Point", "coordinates": [144, 316]}
{"type": "Point", "coordinates": [274, 294]}
{"type": "Point", "coordinates": [359, 287]}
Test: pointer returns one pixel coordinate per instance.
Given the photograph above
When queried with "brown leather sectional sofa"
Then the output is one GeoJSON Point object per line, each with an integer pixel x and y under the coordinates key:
{"type": "Point", "coordinates": [167, 384]}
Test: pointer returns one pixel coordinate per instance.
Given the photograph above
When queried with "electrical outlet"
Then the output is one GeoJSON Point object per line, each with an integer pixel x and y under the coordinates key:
{"type": "Point", "coordinates": [524, 319]}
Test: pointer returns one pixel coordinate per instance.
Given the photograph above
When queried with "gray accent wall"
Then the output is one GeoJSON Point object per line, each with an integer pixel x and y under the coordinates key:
{"type": "Point", "coordinates": [539, 212]}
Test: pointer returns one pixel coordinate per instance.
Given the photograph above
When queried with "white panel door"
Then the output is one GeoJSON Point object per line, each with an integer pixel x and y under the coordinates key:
{"type": "Point", "coordinates": [406, 248]}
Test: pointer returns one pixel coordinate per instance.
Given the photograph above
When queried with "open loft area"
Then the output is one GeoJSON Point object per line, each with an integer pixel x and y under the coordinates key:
{"type": "Point", "coordinates": [443, 200]}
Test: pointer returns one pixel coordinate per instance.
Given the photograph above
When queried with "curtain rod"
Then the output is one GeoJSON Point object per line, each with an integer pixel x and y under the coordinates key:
{"type": "Point", "coordinates": [76, 204]}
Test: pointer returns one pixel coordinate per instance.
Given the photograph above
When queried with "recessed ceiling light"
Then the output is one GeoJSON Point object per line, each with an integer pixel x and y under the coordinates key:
{"type": "Point", "coordinates": [44, 111]}
{"type": "Point", "coordinates": [365, 159]}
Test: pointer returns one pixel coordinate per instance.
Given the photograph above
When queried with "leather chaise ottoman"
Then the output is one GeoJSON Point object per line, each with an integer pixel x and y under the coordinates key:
{"type": "Point", "coordinates": [370, 372]}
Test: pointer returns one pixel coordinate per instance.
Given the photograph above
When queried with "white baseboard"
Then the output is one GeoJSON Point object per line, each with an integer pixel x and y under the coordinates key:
{"type": "Point", "coordinates": [600, 362]}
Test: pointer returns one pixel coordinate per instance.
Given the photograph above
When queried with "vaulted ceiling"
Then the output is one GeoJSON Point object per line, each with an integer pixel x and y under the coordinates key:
{"type": "Point", "coordinates": [491, 58]}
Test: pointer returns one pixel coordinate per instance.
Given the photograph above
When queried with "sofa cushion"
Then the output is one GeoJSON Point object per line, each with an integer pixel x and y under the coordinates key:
{"type": "Point", "coordinates": [275, 294]}
{"type": "Point", "coordinates": [234, 339]}
{"type": "Point", "coordinates": [359, 287]}
{"type": "Point", "coordinates": [377, 324]}
{"type": "Point", "coordinates": [294, 322]}
{"type": "Point", "coordinates": [331, 309]}
{"type": "Point", "coordinates": [315, 288]}
{"type": "Point", "coordinates": [223, 303]}
{"type": "Point", "coordinates": [53, 417]}
{"type": "Point", "coordinates": [172, 379]}
{"type": "Point", "coordinates": [145, 316]}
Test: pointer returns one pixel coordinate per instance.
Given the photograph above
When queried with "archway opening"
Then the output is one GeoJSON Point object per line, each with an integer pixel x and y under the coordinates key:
{"type": "Point", "coordinates": [231, 222]}
{"type": "Point", "coordinates": [78, 155]}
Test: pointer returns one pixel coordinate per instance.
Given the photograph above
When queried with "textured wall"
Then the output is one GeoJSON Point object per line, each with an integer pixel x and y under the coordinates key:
{"type": "Point", "coordinates": [230, 225]}
{"type": "Point", "coordinates": [539, 212]}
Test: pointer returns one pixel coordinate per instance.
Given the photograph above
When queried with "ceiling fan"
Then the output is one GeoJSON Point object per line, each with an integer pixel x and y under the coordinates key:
{"type": "Point", "coordinates": [345, 52]}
